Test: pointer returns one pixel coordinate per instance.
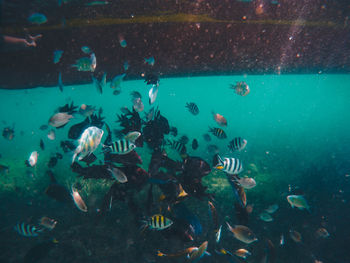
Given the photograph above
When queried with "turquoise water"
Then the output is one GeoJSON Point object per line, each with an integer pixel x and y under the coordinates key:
{"type": "Point", "coordinates": [298, 134]}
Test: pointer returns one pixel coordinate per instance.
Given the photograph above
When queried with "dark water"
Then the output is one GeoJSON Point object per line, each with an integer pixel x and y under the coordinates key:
{"type": "Point", "coordinates": [298, 143]}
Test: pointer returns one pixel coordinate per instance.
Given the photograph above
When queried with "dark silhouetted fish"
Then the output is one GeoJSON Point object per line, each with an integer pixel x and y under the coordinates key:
{"type": "Point", "coordinates": [94, 171]}
{"type": "Point", "coordinates": [67, 146]}
{"type": "Point", "coordinates": [193, 108]}
{"type": "Point", "coordinates": [173, 131]}
{"type": "Point", "coordinates": [70, 109]}
{"type": "Point", "coordinates": [212, 149]}
{"type": "Point", "coordinates": [44, 127]}
{"type": "Point", "coordinates": [52, 162]}
{"type": "Point", "coordinates": [57, 191]}
{"type": "Point", "coordinates": [42, 145]}
{"type": "Point", "coordinates": [184, 139]}
{"type": "Point", "coordinates": [151, 79]}
{"type": "Point", "coordinates": [127, 159]}
{"type": "Point", "coordinates": [194, 144]}
{"type": "Point", "coordinates": [89, 159]}
{"type": "Point", "coordinates": [8, 133]}
{"type": "Point", "coordinates": [77, 129]}
{"type": "Point", "coordinates": [181, 211]}
{"type": "Point", "coordinates": [59, 156]}
{"type": "Point", "coordinates": [206, 137]}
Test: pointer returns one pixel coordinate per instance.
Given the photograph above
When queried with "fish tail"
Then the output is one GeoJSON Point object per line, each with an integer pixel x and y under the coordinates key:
{"type": "Point", "coordinates": [218, 162]}
{"type": "Point", "coordinates": [160, 254]}
{"type": "Point", "coordinates": [106, 149]}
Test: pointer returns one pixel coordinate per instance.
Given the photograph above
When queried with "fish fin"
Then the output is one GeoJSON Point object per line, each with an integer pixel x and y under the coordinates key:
{"type": "Point", "coordinates": [160, 254]}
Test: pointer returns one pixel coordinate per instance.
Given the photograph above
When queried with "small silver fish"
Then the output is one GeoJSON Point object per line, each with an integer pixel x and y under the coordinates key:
{"type": "Point", "coordinates": [51, 135]}
{"type": "Point", "coordinates": [118, 175]}
{"type": "Point", "coordinates": [78, 201]}
{"type": "Point", "coordinates": [57, 54]}
{"type": "Point", "coordinates": [60, 119]}
{"type": "Point", "coordinates": [152, 94]}
{"type": "Point", "coordinates": [86, 63]}
{"type": "Point", "coordinates": [132, 136]}
{"type": "Point", "coordinates": [33, 158]}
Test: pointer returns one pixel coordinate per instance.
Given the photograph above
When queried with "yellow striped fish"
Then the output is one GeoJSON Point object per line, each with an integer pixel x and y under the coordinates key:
{"type": "Point", "coordinates": [159, 222]}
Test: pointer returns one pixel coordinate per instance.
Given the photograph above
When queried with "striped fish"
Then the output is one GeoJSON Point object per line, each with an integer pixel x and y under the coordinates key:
{"type": "Point", "coordinates": [159, 222]}
{"type": "Point", "coordinates": [237, 144]}
{"type": "Point", "coordinates": [193, 108]}
{"type": "Point", "coordinates": [27, 230]}
{"type": "Point", "coordinates": [228, 165]}
{"type": "Point", "coordinates": [178, 146]}
{"type": "Point", "coordinates": [120, 147]}
{"type": "Point", "coordinates": [218, 132]}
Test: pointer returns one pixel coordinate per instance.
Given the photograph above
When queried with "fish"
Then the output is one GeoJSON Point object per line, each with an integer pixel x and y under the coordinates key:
{"type": "Point", "coordinates": [219, 119]}
{"type": "Point", "coordinates": [138, 104]}
{"type": "Point", "coordinates": [86, 110]}
{"type": "Point", "coordinates": [78, 201]}
{"type": "Point", "coordinates": [122, 41]}
{"type": "Point", "coordinates": [192, 108]}
{"type": "Point", "coordinates": [298, 201]}
{"type": "Point", "coordinates": [88, 142]}
{"type": "Point", "coordinates": [272, 208]}
{"type": "Point", "coordinates": [57, 191]}
{"type": "Point", "coordinates": [37, 18]}
{"type": "Point", "coordinates": [126, 65]}
{"type": "Point", "coordinates": [178, 146]}
{"type": "Point", "coordinates": [60, 83]}
{"type": "Point", "coordinates": [4, 169]}
{"type": "Point", "coordinates": [42, 145]}
{"type": "Point", "coordinates": [266, 217]}
{"type": "Point", "coordinates": [97, 3]}
{"type": "Point", "coordinates": [27, 230]}
{"type": "Point", "coordinates": [67, 146]}
{"type": "Point", "coordinates": [150, 61]}
{"type": "Point", "coordinates": [184, 139]}
{"type": "Point", "coordinates": [296, 236]}
{"type": "Point", "coordinates": [173, 131]}
{"type": "Point", "coordinates": [132, 136]}
{"type": "Point", "coordinates": [194, 144]}
{"type": "Point", "coordinates": [212, 149]}
{"type": "Point", "coordinates": [152, 94]}
{"type": "Point", "coordinates": [43, 127]}
{"type": "Point", "coordinates": [86, 63]}
{"type": "Point", "coordinates": [242, 253]}
{"type": "Point", "coordinates": [116, 82]}
{"type": "Point", "coordinates": [120, 147]}
{"type": "Point", "coordinates": [242, 233]}
{"type": "Point", "coordinates": [241, 88]}
{"type": "Point", "coordinates": [228, 165]}
{"type": "Point", "coordinates": [206, 137]}
{"type": "Point", "coordinates": [237, 144]}
{"type": "Point", "coordinates": [218, 132]}
{"type": "Point", "coordinates": [197, 253]}
{"type": "Point", "coordinates": [322, 233]}
{"type": "Point", "coordinates": [152, 79]}
{"type": "Point", "coordinates": [86, 50]}
{"type": "Point", "coordinates": [47, 222]}
{"type": "Point", "coordinates": [57, 54]}
{"type": "Point", "coordinates": [118, 175]}
{"type": "Point", "coordinates": [99, 84]}
{"type": "Point", "coordinates": [158, 222]}
{"type": "Point", "coordinates": [246, 182]}
{"type": "Point", "coordinates": [60, 119]}
{"type": "Point", "coordinates": [33, 159]}
{"type": "Point", "coordinates": [282, 240]}
{"type": "Point", "coordinates": [51, 135]}
{"type": "Point", "coordinates": [52, 162]}
{"type": "Point", "coordinates": [8, 133]}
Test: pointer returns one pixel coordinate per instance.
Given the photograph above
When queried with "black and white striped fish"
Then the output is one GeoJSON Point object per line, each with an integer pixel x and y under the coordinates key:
{"type": "Point", "coordinates": [27, 230]}
{"type": "Point", "coordinates": [193, 108]}
{"type": "Point", "coordinates": [178, 146]}
{"type": "Point", "coordinates": [228, 165]}
{"type": "Point", "coordinates": [237, 144]}
{"type": "Point", "coordinates": [218, 132]}
{"type": "Point", "coordinates": [119, 147]}
{"type": "Point", "coordinates": [158, 222]}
